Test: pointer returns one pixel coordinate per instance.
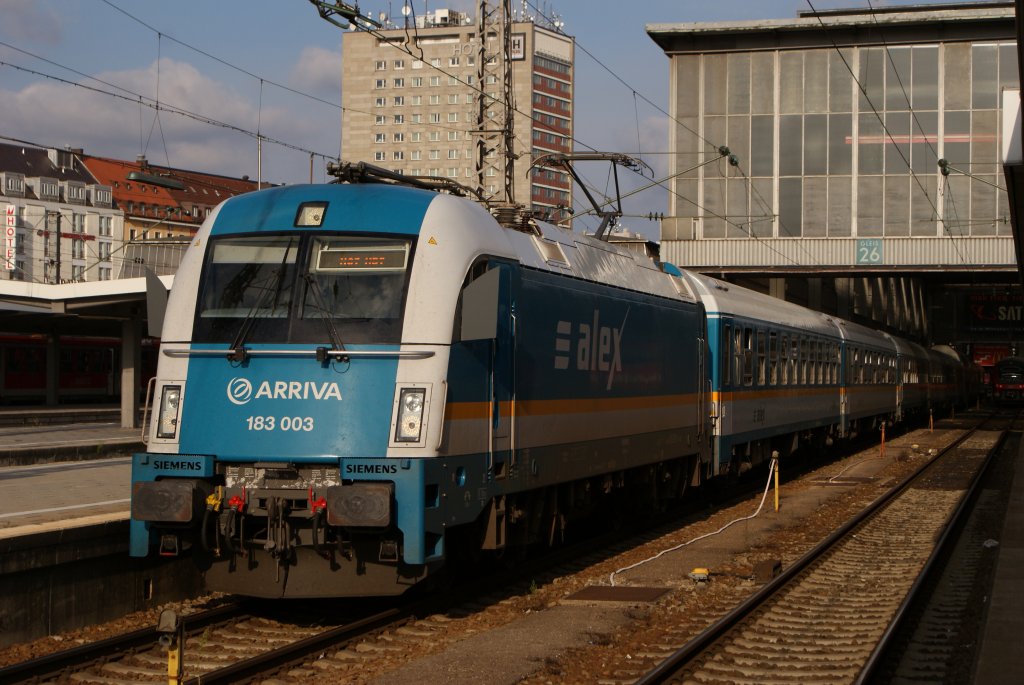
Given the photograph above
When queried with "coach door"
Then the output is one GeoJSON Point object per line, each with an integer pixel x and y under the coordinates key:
{"type": "Point", "coordinates": [503, 376]}
{"type": "Point", "coordinates": [488, 326]}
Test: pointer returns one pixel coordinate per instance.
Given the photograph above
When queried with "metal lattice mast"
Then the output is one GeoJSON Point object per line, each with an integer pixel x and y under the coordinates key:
{"type": "Point", "coordinates": [494, 66]}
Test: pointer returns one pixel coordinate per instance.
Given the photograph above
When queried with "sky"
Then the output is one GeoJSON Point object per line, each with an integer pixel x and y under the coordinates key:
{"type": "Point", "coordinates": [72, 73]}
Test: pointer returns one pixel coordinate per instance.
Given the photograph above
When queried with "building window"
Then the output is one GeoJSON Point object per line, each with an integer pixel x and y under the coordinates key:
{"type": "Point", "coordinates": [381, 83]}
{"type": "Point", "coordinates": [78, 249]}
{"type": "Point", "coordinates": [381, 65]}
{"type": "Point", "coordinates": [399, 138]}
{"type": "Point", "coordinates": [434, 99]}
{"type": "Point", "coordinates": [435, 118]}
{"type": "Point", "coordinates": [453, 61]}
{"type": "Point", "coordinates": [453, 99]}
{"type": "Point", "coordinates": [417, 82]}
{"type": "Point", "coordinates": [399, 64]}
{"type": "Point", "coordinates": [453, 135]}
{"type": "Point", "coordinates": [416, 118]}
{"type": "Point", "coordinates": [104, 273]}
{"type": "Point", "coordinates": [416, 100]}
{"type": "Point", "coordinates": [453, 117]}
{"type": "Point", "coordinates": [453, 80]}
{"type": "Point", "coordinates": [417, 64]}
{"type": "Point", "coordinates": [435, 80]}
{"type": "Point", "coordinates": [78, 273]}
{"type": "Point", "coordinates": [380, 102]}
{"type": "Point", "coordinates": [415, 155]}
{"type": "Point", "coordinates": [105, 251]}
{"type": "Point", "coordinates": [399, 119]}
{"type": "Point", "coordinates": [398, 155]}
{"type": "Point", "coordinates": [399, 83]}
{"type": "Point", "coordinates": [380, 120]}
{"type": "Point", "coordinates": [415, 137]}
{"type": "Point", "coordinates": [15, 185]}
{"type": "Point", "coordinates": [435, 61]}
{"type": "Point", "coordinates": [106, 224]}
{"type": "Point", "coordinates": [453, 154]}
{"type": "Point", "coordinates": [398, 101]}
{"type": "Point", "coordinates": [380, 138]}
{"type": "Point", "coordinates": [378, 156]}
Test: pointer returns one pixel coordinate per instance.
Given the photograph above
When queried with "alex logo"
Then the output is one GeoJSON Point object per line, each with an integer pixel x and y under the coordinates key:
{"type": "Point", "coordinates": [597, 347]}
{"type": "Point", "coordinates": [240, 390]}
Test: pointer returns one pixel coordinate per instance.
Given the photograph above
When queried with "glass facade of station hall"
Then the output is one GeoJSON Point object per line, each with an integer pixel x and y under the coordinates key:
{"type": "Point", "coordinates": [841, 140]}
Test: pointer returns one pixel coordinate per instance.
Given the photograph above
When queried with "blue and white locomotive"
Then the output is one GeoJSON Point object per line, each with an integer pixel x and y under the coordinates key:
{"type": "Point", "coordinates": [356, 380]}
{"type": "Point", "coordinates": [361, 382]}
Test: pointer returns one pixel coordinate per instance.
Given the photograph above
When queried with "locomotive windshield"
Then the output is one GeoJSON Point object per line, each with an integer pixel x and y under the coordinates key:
{"type": "Point", "coordinates": [283, 288]}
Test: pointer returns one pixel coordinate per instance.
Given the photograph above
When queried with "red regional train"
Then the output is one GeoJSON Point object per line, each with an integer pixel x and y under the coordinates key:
{"type": "Point", "coordinates": [89, 368]}
{"type": "Point", "coordinates": [1008, 380]}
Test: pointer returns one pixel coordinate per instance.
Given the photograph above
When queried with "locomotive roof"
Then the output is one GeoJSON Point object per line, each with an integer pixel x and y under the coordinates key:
{"type": "Point", "coordinates": [388, 208]}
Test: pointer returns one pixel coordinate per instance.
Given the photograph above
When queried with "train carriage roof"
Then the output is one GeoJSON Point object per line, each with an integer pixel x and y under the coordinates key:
{"type": "Point", "coordinates": [721, 298]}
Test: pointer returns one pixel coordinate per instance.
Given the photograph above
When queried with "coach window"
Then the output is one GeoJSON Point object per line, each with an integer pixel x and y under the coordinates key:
{"type": "Point", "coordinates": [820, 364]}
{"type": "Point", "coordinates": [761, 365]}
{"type": "Point", "coordinates": [737, 356]}
{"type": "Point", "coordinates": [748, 356]}
{"type": "Point", "coordinates": [792, 362]}
{"type": "Point", "coordinates": [773, 357]}
{"type": "Point", "coordinates": [783, 353]}
{"type": "Point", "coordinates": [726, 358]}
{"type": "Point", "coordinates": [802, 363]}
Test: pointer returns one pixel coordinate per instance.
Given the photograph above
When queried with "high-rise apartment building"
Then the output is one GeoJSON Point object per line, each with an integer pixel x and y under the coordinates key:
{"type": "Point", "coordinates": [411, 103]}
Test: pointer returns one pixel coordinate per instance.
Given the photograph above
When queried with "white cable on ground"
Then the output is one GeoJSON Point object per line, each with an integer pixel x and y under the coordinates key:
{"type": "Point", "coordinates": [771, 471]}
{"type": "Point", "coordinates": [832, 479]}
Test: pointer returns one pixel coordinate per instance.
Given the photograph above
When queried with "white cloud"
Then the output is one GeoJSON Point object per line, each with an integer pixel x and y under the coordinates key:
{"type": "Point", "coordinates": [25, 19]}
{"type": "Point", "coordinates": [50, 113]}
{"type": "Point", "coordinates": [318, 72]}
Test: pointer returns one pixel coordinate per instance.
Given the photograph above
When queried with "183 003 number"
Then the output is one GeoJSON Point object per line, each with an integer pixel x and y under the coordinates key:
{"type": "Point", "coordinates": [285, 423]}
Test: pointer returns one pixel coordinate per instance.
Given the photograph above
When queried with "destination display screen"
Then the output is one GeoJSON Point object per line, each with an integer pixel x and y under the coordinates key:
{"type": "Point", "coordinates": [361, 259]}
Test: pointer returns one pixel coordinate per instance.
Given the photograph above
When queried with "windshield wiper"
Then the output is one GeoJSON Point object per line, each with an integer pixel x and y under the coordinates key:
{"type": "Point", "coordinates": [332, 331]}
{"type": "Point", "coordinates": [238, 353]}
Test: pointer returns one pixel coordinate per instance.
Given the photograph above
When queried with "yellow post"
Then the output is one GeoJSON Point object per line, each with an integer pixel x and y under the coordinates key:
{"type": "Point", "coordinates": [172, 637]}
{"type": "Point", "coordinates": [174, 663]}
{"type": "Point", "coordinates": [881, 452]}
{"type": "Point", "coordinates": [931, 422]}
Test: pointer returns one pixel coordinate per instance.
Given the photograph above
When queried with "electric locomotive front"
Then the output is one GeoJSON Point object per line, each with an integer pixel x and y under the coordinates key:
{"type": "Point", "coordinates": [294, 362]}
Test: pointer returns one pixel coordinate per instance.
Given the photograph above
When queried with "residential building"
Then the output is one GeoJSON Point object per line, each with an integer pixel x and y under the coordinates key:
{"type": "Point", "coordinates": [163, 208]}
{"type": "Point", "coordinates": [61, 225]}
{"type": "Point", "coordinates": [410, 98]}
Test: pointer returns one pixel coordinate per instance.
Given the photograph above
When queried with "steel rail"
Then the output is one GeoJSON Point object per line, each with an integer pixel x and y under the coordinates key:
{"type": "Point", "coordinates": [53, 665]}
{"type": "Point", "coordinates": [948, 538]}
{"type": "Point", "coordinates": [668, 668]}
{"type": "Point", "coordinates": [298, 651]}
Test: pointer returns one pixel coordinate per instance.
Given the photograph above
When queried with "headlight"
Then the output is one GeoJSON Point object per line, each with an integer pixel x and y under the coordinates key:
{"type": "Point", "coordinates": [167, 420]}
{"type": "Point", "coordinates": [410, 414]}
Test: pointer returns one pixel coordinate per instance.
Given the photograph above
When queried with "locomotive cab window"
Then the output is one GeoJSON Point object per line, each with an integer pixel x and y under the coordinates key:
{"type": "Point", "coordinates": [303, 289]}
{"type": "Point", "coordinates": [357, 283]}
{"type": "Point", "coordinates": [247, 278]}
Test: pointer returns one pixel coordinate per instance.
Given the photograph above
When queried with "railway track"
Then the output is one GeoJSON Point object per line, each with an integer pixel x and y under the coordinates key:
{"type": "Point", "coordinates": [223, 645]}
{"type": "Point", "coordinates": [828, 617]}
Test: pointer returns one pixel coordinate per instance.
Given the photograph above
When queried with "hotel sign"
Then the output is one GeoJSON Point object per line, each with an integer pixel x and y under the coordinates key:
{"type": "Point", "coordinates": [10, 245]}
